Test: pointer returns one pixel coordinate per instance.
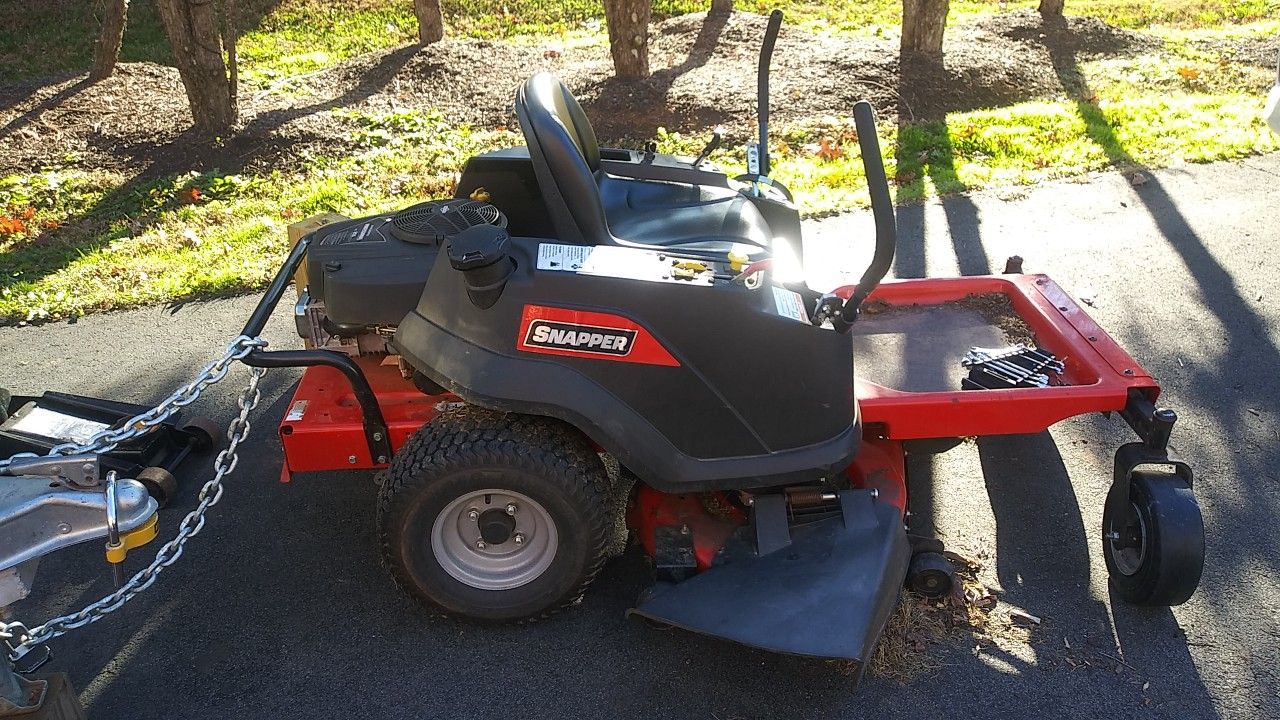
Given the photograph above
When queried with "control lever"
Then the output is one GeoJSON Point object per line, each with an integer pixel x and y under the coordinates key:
{"type": "Point", "coordinates": [713, 144]}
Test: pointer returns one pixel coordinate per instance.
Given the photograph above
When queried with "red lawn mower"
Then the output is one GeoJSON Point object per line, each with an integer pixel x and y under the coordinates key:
{"type": "Point", "coordinates": [579, 319]}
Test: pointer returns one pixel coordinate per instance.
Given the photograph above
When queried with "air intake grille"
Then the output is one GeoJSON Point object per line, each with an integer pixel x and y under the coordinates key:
{"type": "Point", "coordinates": [439, 220]}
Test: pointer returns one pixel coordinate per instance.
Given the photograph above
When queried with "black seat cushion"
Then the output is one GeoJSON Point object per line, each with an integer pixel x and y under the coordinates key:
{"type": "Point", "coordinates": [590, 206]}
{"type": "Point", "coordinates": [666, 214]}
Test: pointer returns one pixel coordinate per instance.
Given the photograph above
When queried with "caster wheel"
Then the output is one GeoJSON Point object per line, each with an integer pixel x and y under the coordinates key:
{"type": "Point", "coordinates": [1154, 548]}
{"type": "Point", "coordinates": [160, 484]}
{"type": "Point", "coordinates": [494, 517]}
{"type": "Point", "coordinates": [205, 432]}
{"type": "Point", "coordinates": [931, 575]}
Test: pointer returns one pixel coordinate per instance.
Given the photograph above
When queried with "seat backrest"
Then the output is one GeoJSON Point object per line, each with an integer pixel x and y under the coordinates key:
{"type": "Point", "coordinates": [565, 157]}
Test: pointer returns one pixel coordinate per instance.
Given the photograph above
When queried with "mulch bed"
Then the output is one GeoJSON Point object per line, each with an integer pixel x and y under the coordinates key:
{"type": "Point", "coordinates": [704, 75]}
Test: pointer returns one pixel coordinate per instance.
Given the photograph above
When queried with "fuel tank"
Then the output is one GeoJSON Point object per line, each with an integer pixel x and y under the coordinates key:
{"type": "Point", "coordinates": [690, 378]}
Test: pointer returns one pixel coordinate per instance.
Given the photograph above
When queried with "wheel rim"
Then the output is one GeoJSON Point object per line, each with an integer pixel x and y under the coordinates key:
{"type": "Point", "coordinates": [1127, 542]}
{"type": "Point", "coordinates": [494, 539]}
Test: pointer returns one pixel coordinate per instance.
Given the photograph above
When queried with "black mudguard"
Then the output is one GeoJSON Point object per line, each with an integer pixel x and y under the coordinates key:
{"type": "Point", "coordinates": [828, 594]}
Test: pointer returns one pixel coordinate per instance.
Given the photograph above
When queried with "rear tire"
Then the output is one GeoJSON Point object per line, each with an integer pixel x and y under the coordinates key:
{"type": "Point", "coordinates": [1154, 549]}
{"type": "Point", "coordinates": [449, 539]}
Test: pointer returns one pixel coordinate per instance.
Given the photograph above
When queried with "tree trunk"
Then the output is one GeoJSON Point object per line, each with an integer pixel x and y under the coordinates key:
{"type": "Point", "coordinates": [232, 34]}
{"type": "Point", "coordinates": [107, 50]}
{"type": "Point", "coordinates": [430, 21]}
{"type": "Point", "coordinates": [192, 29]}
{"type": "Point", "coordinates": [1051, 8]}
{"type": "Point", "coordinates": [628, 22]}
{"type": "Point", "coordinates": [923, 22]}
{"type": "Point", "coordinates": [722, 6]}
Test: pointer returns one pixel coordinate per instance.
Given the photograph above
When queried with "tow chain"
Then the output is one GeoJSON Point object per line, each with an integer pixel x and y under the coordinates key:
{"type": "Point", "coordinates": [17, 636]}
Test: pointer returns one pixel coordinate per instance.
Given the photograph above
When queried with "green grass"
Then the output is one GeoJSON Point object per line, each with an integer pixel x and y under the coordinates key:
{"type": "Point", "coordinates": [56, 36]}
{"type": "Point", "coordinates": [93, 243]}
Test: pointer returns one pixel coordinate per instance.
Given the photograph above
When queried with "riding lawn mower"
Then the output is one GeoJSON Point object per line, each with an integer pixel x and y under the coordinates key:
{"type": "Point", "coordinates": [579, 319]}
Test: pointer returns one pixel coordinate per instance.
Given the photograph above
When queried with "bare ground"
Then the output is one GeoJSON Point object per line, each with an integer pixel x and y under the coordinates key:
{"type": "Point", "coordinates": [704, 75]}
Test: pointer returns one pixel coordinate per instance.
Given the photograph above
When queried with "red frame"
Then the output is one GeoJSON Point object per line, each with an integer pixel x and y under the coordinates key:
{"type": "Point", "coordinates": [1099, 371]}
{"type": "Point", "coordinates": [330, 433]}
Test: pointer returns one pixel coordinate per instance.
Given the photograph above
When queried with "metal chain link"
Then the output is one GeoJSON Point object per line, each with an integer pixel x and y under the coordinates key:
{"type": "Point", "coordinates": [107, 440]}
{"type": "Point", "coordinates": [22, 639]}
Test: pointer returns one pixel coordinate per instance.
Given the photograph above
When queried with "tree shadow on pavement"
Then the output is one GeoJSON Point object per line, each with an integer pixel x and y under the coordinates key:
{"type": "Point", "coordinates": [1218, 387]}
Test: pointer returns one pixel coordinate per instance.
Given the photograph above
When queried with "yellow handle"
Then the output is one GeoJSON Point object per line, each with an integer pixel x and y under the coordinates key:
{"type": "Point", "coordinates": [137, 537]}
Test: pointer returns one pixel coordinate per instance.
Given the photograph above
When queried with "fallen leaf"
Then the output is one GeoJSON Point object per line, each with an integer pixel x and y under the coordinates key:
{"type": "Point", "coordinates": [829, 150]}
{"type": "Point", "coordinates": [11, 226]}
{"type": "Point", "coordinates": [1188, 73]}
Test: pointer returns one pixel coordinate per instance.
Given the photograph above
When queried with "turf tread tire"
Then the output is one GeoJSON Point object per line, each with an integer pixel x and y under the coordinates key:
{"type": "Point", "coordinates": [471, 436]}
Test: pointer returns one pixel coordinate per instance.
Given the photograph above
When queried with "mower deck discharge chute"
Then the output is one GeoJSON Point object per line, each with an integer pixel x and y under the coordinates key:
{"type": "Point", "coordinates": [579, 322]}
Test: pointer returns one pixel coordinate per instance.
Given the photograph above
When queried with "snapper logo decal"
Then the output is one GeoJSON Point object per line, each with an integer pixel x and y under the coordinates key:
{"type": "Point", "coordinates": [583, 338]}
{"type": "Point", "coordinates": [586, 334]}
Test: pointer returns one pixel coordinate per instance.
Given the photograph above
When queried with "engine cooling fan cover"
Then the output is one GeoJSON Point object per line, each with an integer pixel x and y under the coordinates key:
{"type": "Point", "coordinates": [436, 221]}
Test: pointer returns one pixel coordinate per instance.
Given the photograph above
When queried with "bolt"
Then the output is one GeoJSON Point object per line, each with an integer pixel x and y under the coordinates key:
{"type": "Point", "coordinates": [377, 436]}
{"type": "Point", "coordinates": [56, 470]}
{"type": "Point", "coordinates": [511, 508]}
{"type": "Point", "coordinates": [1093, 338]}
{"type": "Point", "coordinates": [351, 459]}
{"type": "Point", "coordinates": [64, 528]}
{"type": "Point", "coordinates": [382, 459]}
{"type": "Point", "coordinates": [1128, 371]}
{"type": "Point", "coordinates": [480, 544]}
{"type": "Point", "coordinates": [518, 539]}
{"type": "Point", "coordinates": [473, 514]}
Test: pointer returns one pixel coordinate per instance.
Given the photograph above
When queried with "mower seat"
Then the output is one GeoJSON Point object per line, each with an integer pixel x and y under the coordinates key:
{"type": "Point", "coordinates": [591, 207]}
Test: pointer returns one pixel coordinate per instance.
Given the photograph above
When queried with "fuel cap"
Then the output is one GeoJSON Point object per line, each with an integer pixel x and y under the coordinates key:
{"type": "Point", "coordinates": [478, 246]}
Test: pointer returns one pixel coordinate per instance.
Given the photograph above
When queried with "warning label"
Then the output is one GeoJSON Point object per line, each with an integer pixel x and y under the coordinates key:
{"type": "Point", "coordinates": [789, 304]}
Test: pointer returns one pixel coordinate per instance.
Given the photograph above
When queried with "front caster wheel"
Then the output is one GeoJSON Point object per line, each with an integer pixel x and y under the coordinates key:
{"type": "Point", "coordinates": [931, 575]}
{"type": "Point", "coordinates": [1154, 547]}
{"type": "Point", "coordinates": [494, 517]}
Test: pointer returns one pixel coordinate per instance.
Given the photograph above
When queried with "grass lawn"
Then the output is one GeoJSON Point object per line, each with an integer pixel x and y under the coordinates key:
{"type": "Point", "coordinates": [76, 239]}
